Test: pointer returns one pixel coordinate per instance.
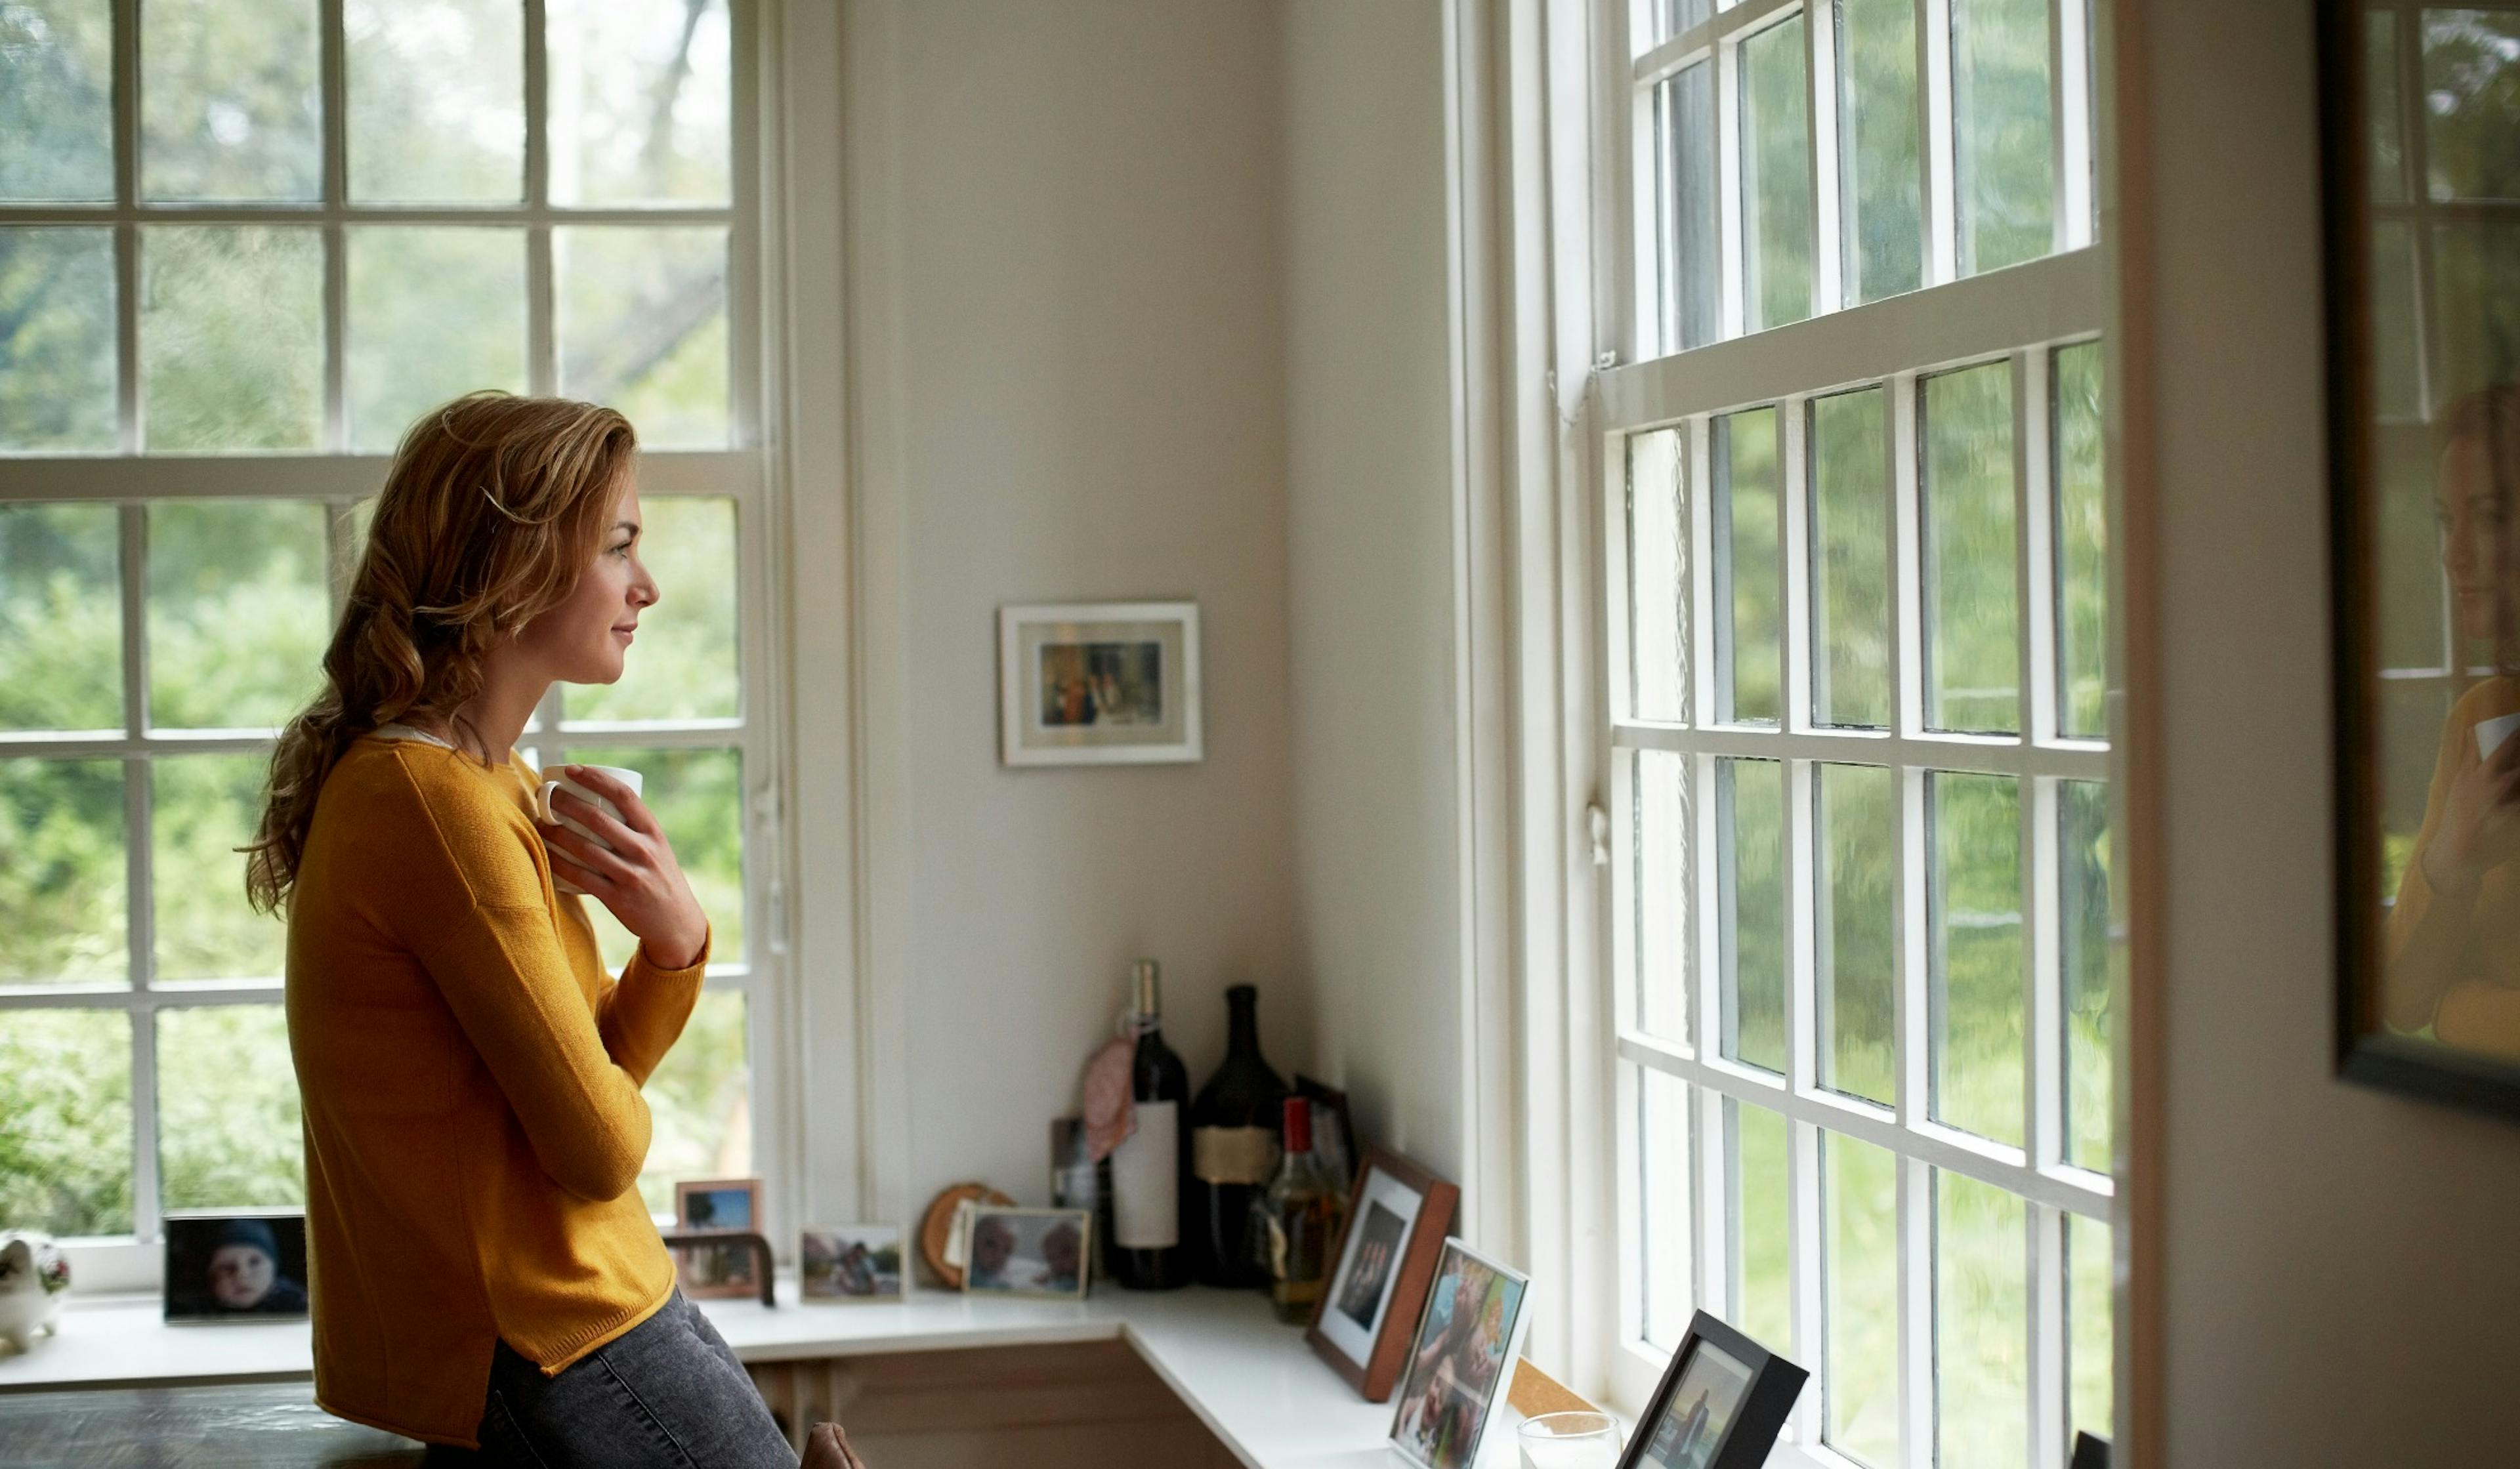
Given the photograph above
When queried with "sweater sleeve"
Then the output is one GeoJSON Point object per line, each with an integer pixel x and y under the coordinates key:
{"type": "Point", "coordinates": [642, 1013]}
{"type": "Point", "coordinates": [470, 907]}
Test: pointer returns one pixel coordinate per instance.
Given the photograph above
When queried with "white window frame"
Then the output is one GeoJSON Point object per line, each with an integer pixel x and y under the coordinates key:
{"type": "Point", "coordinates": [747, 471]}
{"type": "Point", "coordinates": [2017, 315]}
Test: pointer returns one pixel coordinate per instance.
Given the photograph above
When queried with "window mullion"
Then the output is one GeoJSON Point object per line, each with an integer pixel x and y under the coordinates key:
{"type": "Point", "coordinates": [2033, 465]}
{"type": "Point", "coordinates": [336, 194]}
{"type": "Point", "coordinates": [1936, 155]}
{"type": "Point", "coordinates": [1820, 26]}
{"type": "Point", "coordinates": [2049, 1424]}
{"type": "Point", "coordinates": [1916, 1312]}
{"type": "Point", "coordinates": [126, 235]}
{"type": "Point", "coordinates": [2070, 79]}
{"type": "Point", "coordinates": [1728, 213]}
{"type": "Point", "coordinates": [138, 856]}
{"type": "Point", "coordinates": [542, 374]}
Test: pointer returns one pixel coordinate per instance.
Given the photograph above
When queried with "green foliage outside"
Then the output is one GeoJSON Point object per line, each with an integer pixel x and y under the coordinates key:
{"type": "Point", "coordinates": [65, 1122]}
{"type": "Point", "coordinates": [1882, 189]}
{"type": "Point", "coordinates": [231, 110]}
{"type": "Point", "coordinates": [2082, 547]}
{"type": "Point", "coordinates": [1856, 966]}
{"type": "Point", "coordinates": [1972, 595]}
{"type": "Point", "coordinates": [56, 78]}
{"type": "Point", "coordinates": [1750, 596]}
{"type": "Point", "coordinates": [1775, 177]}
{"type": "Point", "coordinates": [1851, 560]}
{"type": "Point", "coordinates": [2002, 129]}
{"type": "Point", "coordinates": [1750, 811]}
{"type": "Point", "coordinates": [57, 337]}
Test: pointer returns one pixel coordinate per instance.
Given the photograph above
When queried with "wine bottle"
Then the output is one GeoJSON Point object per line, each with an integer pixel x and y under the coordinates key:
{"type": "Point", "coordinates": [1148, 1168]}
{"type": "Point", "coordinates": [1298, 1219]}
{"type": "Point", "coordinates": [1234, 1149]}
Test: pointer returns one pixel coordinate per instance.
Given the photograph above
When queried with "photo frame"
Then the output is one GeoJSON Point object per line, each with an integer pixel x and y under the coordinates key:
{"type": "Point", "coordinates": [1720, 1405]}
{"type": "Point", "coordinates": [231, 1265]}
{"type": "Point", "coordinates": [2423, 430]}
{"type": "Point", "coordinates": [1037, 1253]}
{"type": "Point", "coordinates": [1106, 682]}
{"type": "Point", "coordinates": [711, 1272]}
{"type": "Point", "coordinates": [1362, 1324]}
{"type": "Point", "coordinates": [1461, 1359]}
{"type": "Point", "coordinates": [853, 1265]}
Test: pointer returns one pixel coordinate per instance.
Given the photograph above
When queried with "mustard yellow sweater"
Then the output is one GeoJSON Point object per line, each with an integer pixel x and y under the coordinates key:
{"type": "Point", "coordinates": [470, 1078]}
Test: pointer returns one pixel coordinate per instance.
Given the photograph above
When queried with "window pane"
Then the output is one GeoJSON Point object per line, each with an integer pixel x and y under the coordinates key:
{"type": "Point", "coordinates": [1658, 561]}
{"type": "Point", "coordinates": [643, 328]}
{"type": "Point", "coordinates": [1666, 19]}
{"type": "Point", "coordinates": [1661, 887]}
{"type": "Point", "coordinates": [230, 106]}
{"type": "Point", "coordinates": [2476, 306]}
{"type": "Point", "coordinates": [237, 613]}
{"type": "Point", "coordinates": [1879, 179]}
{"type": "Point", "coordinates": [57, 101]}
{"type": "Point", "coordinates": [1776, 178]}
{"type": "Point", "coordinates": [1976, 929]}
{"type": "Point", "coordinates": [62, 883]}
{"type": "Point", "coordinates": [2380, 101]}
{"type": "Point", "coordinates": [1662, 1154]}
{"type": "Point", "coordinates": [437, 101]}
{"type": "Point", "coordinates": [2396, 365]}
{"type": "Point", "coordinates": [2471, 128]}
{"type": "Point", "coordinates": [434, 313]}
{"type": "Point", "coordinates": [700, 1102]}
{"type": "Point", "coordinates": [639, 102]}
{"type": "Point", "coordinates": [1858, 857]}
{"type": "Point", "coordinates": [1859, 1194]}
{"type": "Point", "coordinates": [65, 1122]}
{"type": "Point", "coordinates": [697, 797]}
{"type": "Point", "coordinates": [232, 336]}
{"type": "Point", "coordinates": [57, 337]}
{"type": "Point", "coordinates": [1981, 1325]}
{"type": "Point", "coordinates": [2083, 910]}
{"type": "Point", "coordinates": [1684, 183]}
{"type": "Point", "coordinates": [228, 1132]}
{"type": "Point", "coordinates": [1761, 1226]}
{"type": "Point", "coordinates": [1749, 626]}
{"type": "Point", "coordinates": [2412, 603]}
{"type": "Point", "coordinates": [2089, 1311]}
{"type": "Point", "coordinates": [1971, 591]}
{"type": "Point", "coordinates": [684, 663]}
{"type": "Point", "coordinates": [2001, 130]}
{"type": "Point", "coordinates": [60, 617]}
{"type": "Point", "coordinates": [2082, 548]}
{"type": "Point", "coordinates": [202, 809]}
{"type": "Point", "coordinates": [1850, 561]}
{"type": "Point", "coordinates": [1750, 817]}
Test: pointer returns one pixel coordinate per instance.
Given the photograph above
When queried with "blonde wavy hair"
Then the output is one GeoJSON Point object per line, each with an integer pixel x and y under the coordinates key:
{"type": "Point", "coordinates": [494, 507]}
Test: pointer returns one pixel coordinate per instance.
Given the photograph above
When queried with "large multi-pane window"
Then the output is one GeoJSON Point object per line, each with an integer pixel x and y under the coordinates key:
{"type": "Point", "coordinates": [242, 245]}
{"type": "Point", "coordinates": [1857, 533]}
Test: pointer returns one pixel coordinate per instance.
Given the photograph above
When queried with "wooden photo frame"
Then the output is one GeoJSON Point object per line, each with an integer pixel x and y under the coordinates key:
{"type": "Point", "coordinates": [2423, 437]}
{"type": "Point", "coordinates": [1461, 1358]}
{"type": "Point", "coordinates": [714, 1271]}
{"type": "Point", "coordinates": [1720, 1405]}
{"type": "Point", "coordinates": [1103, 683]}
{"type": "Point", "coordinates": [1381, 1266]}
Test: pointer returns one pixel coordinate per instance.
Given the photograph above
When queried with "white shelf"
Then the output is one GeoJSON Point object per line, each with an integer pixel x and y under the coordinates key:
{"type": "Point", "coordinates": [1254, 1382]}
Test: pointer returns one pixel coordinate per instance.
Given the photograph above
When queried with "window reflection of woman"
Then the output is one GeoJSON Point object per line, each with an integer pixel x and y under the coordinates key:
{"type": "Point", "coordinates": [2454, 935]}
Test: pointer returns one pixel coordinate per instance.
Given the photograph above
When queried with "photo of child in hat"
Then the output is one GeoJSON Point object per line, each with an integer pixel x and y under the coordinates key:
{"type": "Point", "coordinates": [229, 1266]}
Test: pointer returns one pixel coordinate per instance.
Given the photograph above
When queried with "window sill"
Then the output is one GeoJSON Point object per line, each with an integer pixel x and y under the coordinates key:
{"type": "Point", "coordinates": [1254, 1382]}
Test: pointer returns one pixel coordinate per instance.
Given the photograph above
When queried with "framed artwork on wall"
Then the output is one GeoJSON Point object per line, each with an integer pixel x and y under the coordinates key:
{"type": "Point", "coordinates": [2422, 243]}
{"type": "Point", "coordinates": [1111, 683]}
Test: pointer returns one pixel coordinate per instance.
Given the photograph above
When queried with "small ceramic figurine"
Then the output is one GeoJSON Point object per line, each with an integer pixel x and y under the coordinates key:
{"type": "Point", "coordinates": [35, 1278]}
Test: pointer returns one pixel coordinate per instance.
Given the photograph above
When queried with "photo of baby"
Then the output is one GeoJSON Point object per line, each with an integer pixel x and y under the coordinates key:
{"type": "Point", "coordinates": [1027, 1252]}
{"type": "Point", "coordinates": [1459, 1360]}
{"type": "Point", "coordinates": [229, 1266]}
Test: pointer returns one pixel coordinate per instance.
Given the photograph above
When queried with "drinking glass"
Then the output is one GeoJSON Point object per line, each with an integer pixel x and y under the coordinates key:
{"type": "Point", "coordinates": [1570, 1440]}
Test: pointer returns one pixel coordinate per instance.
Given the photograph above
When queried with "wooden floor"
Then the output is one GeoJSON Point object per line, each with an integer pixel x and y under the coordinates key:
{"type": "Point", "coordinates": [1088, 1403]}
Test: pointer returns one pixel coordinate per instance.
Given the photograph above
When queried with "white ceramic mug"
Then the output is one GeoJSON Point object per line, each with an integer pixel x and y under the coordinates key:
{"type": "Point", "coordinates": [543, 810]}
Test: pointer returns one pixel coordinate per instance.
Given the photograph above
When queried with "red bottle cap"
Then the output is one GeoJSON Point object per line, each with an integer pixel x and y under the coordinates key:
{"type": "Point", "coordinates": [1299, 1125]}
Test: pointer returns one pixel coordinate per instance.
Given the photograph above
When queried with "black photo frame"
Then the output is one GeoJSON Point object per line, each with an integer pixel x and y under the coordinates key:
{"type": "Point", "coordinates": [1720, 1405]}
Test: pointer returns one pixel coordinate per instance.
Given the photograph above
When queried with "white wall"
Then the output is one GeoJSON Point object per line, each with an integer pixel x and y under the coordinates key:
{"type": "Point", "coordinates": [1370, 557]}
{"type": "Point", "coordinates": [2341, 1280]}
{"type": "Point", "coordinates": [1077, 371]}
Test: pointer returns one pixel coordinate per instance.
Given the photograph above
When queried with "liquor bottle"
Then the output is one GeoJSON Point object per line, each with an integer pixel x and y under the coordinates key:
{"type": "Point", "coordinates": [1296, 1221]}
{"type": "Point", "coordinates": [1234, 1149]}
{"type": "Point", "coordinates": [1147, 1171]}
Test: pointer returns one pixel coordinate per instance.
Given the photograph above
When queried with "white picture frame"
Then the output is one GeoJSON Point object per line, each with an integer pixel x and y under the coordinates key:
{"type": "Point", "coordinates": [1103, 683]}
{"type": "Point", "coordinates": [1461, 1358]}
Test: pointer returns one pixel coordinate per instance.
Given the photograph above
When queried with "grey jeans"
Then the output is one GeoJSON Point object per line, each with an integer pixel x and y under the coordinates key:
{"type": "Point", "coordinates": [668, 1394]}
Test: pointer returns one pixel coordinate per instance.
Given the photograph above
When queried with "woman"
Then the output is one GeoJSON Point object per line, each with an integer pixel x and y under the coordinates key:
{"type": "Point", "coordinates": [484, 1275]}
{"type": "Point", "coordinates": [2454, 934]}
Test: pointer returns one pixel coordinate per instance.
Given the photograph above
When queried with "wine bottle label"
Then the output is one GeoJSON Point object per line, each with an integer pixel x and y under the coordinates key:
{"type": "Point", "coordinates": [1233, 1155]}
{"type": "Point", "coordinates": [1146, 1180]}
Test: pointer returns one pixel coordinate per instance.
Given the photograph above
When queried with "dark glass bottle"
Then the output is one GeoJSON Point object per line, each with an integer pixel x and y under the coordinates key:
{"type": "Point", "coordinates": [1234, 1149]}
{"type": "Point", "coordinates": [1146, 1177]}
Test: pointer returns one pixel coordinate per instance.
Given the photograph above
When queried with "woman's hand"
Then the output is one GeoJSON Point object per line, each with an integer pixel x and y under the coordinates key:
{"type": "Point", "coordinates": [639, 879]}
{"type": "Point", "coordinates": [2480, 821]}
